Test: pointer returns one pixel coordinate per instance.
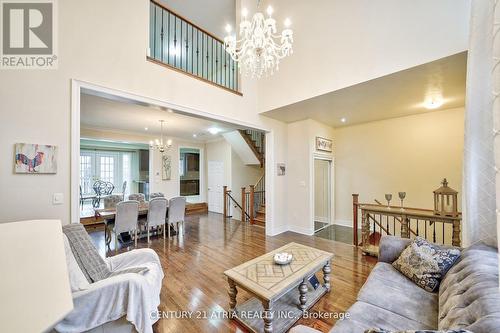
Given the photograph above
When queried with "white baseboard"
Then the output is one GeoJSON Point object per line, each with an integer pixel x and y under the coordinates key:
{"type": "Point", "coordinates": [301, 230]}
{"type": "Point", "coordinates": [321, 219]}
{"type": "Point", "coordinates": [279, 230]}
{"type": "Point", "coordinates": [345, 223]}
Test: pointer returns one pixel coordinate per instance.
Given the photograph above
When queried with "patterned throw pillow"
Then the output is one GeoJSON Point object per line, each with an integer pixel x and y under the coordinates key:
{"type": "Point", "coordinates": [380, 330]}
{"type": "Point", "coordinates": [425, 263]}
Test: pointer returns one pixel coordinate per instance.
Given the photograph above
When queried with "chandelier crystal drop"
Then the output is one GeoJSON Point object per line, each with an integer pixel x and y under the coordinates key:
{"type": "Point", "coordinates": [260, 48]}
{"type": "Point", "coordinates": [160, 144]}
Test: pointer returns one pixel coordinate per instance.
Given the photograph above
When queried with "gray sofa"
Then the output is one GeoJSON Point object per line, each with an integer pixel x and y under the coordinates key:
{"type": "Point", "coordinates": [468, 297]}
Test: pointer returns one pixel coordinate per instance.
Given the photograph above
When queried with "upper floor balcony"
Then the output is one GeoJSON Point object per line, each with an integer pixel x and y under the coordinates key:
{"type": "Point", "coordinates": [179, 44]}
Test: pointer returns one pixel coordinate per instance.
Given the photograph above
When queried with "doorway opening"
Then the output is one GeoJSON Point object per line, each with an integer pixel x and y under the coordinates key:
{"type": "Point", "coordinates": [189, 174]}
{"type": "Point", "coordinates": [322, 193]}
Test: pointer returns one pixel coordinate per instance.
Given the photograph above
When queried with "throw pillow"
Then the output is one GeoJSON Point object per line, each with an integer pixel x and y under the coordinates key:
{"type": "Point", "coordinates": [380, 330]}
{"type": "Point", "coordinates": [425, 263]}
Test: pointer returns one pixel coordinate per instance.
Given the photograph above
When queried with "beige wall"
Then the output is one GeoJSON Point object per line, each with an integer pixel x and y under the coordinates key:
{"type": "Point", "coordinates": [411, 154]}
{"type": "Point", "coordinates": [339, 43]}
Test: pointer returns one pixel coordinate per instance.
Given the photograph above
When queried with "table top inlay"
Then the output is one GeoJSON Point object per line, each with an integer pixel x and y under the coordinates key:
{"type": "Point", "coordinates": [269, 280]}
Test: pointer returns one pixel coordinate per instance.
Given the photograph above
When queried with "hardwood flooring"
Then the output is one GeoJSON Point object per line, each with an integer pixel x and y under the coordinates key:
{"type": "Point", "coordinates": [194, 266]}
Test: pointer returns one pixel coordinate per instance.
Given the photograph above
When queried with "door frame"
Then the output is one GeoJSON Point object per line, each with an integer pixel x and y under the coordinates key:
{"type": "Point", "coordinates": [203, 186]}
{"type": "Point", "coordinates": [331, 160]}
{"type": "Point", "coordinates": [78, 87]}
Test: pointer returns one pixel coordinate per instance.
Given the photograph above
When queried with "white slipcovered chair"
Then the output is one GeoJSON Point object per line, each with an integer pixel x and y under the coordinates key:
{"type": "Point", "coordinates": [176, 213]}
{"type": "Point", "coordinates": [126, 302]}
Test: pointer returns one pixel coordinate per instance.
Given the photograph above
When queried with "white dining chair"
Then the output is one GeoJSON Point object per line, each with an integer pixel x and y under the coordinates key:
{"type": "Point", "coordinates": [156, 214]}
{"type": "Point", "coordinates": [176, 213]}
{"type": "Point", "coordinates": [127, 213]}
{"type": "Point", "coordinates": [137, 197]}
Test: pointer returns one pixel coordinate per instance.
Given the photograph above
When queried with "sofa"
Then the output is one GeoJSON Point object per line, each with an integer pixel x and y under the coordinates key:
{"type": "Point", "coordinates": [468, 296]}
{"type": "Point", "coordinates": [122, 303]}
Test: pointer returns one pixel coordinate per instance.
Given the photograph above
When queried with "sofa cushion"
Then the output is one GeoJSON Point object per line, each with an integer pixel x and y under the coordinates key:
{"type": "Point", "coordinates": [425, 263]}
{"type": "Point", "coordinates": [469, 296]}
{"type": "Point", "coordinates": [363, 316]}
{"type": "Point", "coordinates": [77, 280]}
{"type": "Point", "coordinates": [392, 291]}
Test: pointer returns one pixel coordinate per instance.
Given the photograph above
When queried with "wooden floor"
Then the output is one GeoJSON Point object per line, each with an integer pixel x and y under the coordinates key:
{"type": "Point", "coordinates": [194, 266]}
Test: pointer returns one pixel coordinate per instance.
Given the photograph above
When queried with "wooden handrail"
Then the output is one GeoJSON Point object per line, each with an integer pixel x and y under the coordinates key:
{"type": "Point", "coordinates": [243, 203]}
{"type": "Point", "coordinates": [224, 201]}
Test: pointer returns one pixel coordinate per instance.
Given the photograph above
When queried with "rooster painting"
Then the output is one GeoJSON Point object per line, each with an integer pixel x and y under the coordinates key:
{"type": "Point", "coordinates": [33, 158]}
{"type": "Point", "coordinates": [30, 163]}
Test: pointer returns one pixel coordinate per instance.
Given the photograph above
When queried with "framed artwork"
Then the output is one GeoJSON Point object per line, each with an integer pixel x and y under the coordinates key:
{"type": "Point", "coordinates": [324, 144]}
{"type": "Point", "coordinates": [166, 167]}
{"type": "Point", "coordinates": [35, 158]}
{"type": "Point", "coordinates": [281, 169]}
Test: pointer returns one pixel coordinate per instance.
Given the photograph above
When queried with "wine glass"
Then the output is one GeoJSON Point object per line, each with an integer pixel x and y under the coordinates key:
{"type": "Point", "coordinates": [388, 197]}
{"type": "Point", "coordinates": [402, 196]}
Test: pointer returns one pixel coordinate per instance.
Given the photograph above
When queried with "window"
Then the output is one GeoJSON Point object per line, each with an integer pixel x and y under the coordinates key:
{"type": "Point", "coordinates": [107, 173]}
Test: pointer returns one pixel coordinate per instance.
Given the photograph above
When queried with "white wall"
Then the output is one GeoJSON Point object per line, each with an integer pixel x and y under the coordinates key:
{"type": "Point", "coordinates": [35, 104]}
{"type": "Point", "coordinates": [411, 154]}
{"type": "Point", "coordinates": [300, 174]}
{"type": "Point", "coordinates": [340, 43]}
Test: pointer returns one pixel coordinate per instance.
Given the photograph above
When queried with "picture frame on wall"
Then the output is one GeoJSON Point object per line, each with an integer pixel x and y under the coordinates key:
{"type": "Point", "coordinates": [323, 144]}
{"type": "Point", "coordinates": [281, 169]}
{"type": "Point", "coordinates": [31, 158]}
{"type": "Point", "coordinates": [166, 167]}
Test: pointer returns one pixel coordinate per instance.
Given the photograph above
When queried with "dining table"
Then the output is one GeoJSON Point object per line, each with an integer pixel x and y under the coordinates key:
{"type": "Point", "coordinates": [109, 214]}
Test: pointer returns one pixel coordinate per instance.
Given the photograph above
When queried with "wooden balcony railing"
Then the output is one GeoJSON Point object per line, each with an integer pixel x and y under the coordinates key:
{"type": "Point", "coordinates": [179, 44]}
{"type": "Point", "coordinates": [377, 220]}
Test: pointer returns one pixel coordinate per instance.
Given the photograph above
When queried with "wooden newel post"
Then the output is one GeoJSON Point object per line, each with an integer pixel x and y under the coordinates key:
{"type": "Point", "coordinates": [243, 203]}
{"type": "Point", "coordinates": [252, 200]}
{"type": "Point", "coordinates": [355, 200]}
{"type": "Point", "coordinates": [224, 201]}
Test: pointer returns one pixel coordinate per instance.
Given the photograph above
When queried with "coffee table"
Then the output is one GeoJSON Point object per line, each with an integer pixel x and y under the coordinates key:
{"type": "Point", "coordinates": [281, 290]}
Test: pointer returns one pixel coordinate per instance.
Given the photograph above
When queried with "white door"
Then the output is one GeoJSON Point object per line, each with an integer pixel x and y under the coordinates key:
{"type": "Point", "coordinates": [215, 186]}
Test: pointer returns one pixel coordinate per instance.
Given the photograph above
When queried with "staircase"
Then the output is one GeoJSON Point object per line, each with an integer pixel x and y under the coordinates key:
{"type": "Point", "coordinates": [256, 142]}
{"type": "Point", "coordinates": [253, 203]}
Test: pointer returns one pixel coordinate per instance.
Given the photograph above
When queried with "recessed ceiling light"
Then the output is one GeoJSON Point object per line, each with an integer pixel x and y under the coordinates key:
{"type": "Point", "coordinates": [433, 103]}
{"type": "Point", "coordinates": [194, 135]}
{"type": "Point", "coordinates": [145, 128]}
{"type": "Point", "coordinates": [170, 111]}
{"type": "Point", "coordinates": [214, 130]}
{"type": "Point", "coordinates": [343, 120]}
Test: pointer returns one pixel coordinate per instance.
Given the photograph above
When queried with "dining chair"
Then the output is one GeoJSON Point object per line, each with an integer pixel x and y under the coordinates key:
{"type": "Point", "coordinates": [137, 197]}
{"type": "Point", "coordinates": [124, 188]}
{"type": "Point", "coordinates": [112, 200]}
{"type": "Point", "coordinates": [156, 195]}
{"type": "Point", "coordinates": [126, 216]}
{"type": "Point", "coordinates": [156, 214]}
{"type": "Point", "coordinates": [176, 213]}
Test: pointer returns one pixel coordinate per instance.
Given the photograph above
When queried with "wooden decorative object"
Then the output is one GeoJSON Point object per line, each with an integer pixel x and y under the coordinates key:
{"type": "Point", "coordinates": [445, 200]}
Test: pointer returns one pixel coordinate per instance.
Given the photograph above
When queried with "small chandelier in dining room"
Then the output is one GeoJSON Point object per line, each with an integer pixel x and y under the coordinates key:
{"type": "Point", "coordinates": [260, 48]}
{"type": "Point", "coordinates": [160, 144]}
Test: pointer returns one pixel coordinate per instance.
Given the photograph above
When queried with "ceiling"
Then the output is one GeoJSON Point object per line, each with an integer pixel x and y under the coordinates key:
{"type": "Point", "coordinates": [98, 112]}
{"type": "Point", "coordinates": [395, 95]}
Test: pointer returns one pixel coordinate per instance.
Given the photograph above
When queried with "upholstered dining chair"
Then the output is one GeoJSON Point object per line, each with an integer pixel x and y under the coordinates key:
{"type": "Point", "coordinates": [156, 195]}
{"type": "Point", "coordinates": [126, 216]}
{"type": "Point", "coordinates": [137, 197]}
{"type": "Point", "coordinates": [176, 213]}
{"type": "Point", "coordinates": [112, 200]}
{"type": "Point", "coordinates": [157, 212]}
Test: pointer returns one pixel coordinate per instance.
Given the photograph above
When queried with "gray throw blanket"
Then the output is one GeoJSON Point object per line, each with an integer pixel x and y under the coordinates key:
{"type": "Point", "coordinates": [92, 265]}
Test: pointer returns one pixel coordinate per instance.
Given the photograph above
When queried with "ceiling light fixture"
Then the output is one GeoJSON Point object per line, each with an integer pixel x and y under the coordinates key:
{"type": "Point", "coordinates": [161, 145]}
{"type": "Point", "coordinates": [260, 48]}
{"type": "Point", "coordinates": [145, 128]}
{"type": "Point", "coordinates": [194, 135]}
{"type": "Point", "coordinates": [343, 120]}
{"type": "Point", "coordinates": [214, 130]}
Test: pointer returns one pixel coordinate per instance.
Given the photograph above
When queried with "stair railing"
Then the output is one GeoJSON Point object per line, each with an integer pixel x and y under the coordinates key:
{"type": "Point", "coordinates": [229, 201]}
{"type": "Point", "coordinates": [251, 200]}
{"type": "Point", "coordinates": [406, 222]}
{"type": "Point", "coordinates": [256, 142]}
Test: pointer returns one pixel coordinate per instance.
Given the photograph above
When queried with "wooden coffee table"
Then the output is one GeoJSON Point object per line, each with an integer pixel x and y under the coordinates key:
{"type": "Point", "coordinates": [282, 292]}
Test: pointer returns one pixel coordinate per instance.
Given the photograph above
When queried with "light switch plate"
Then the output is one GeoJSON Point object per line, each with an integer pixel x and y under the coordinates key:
{"type": "Point", "coordinates": [57, 199]}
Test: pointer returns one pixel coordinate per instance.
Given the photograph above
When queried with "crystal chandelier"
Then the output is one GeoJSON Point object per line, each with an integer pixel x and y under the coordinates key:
{"type": "Point", "coordinates": [260, 48]}
{"type": "Point", "coordinates": [159, 144]}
